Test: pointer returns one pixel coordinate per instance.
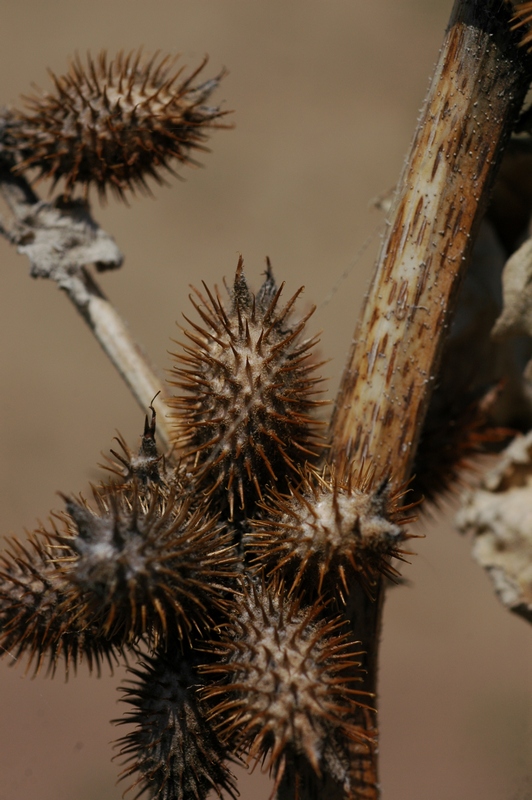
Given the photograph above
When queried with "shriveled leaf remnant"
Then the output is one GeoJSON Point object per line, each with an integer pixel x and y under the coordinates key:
{"type": "Point", "coordinates": [499, 514]}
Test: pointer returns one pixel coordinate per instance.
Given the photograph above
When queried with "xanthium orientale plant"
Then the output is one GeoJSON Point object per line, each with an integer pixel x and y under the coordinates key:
{"type": "Point", "coordinates": [239, 555]}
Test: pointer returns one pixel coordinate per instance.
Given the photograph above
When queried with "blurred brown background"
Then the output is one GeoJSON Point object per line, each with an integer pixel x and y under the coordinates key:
{"type": "Point", "coordinates": [326, 95]}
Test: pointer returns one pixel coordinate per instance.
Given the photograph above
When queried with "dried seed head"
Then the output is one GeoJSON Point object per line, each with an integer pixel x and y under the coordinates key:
{"type": "Point", "coordinates": [245, 421]}
{"type": "Point", "coordinates": [173, 748]}
{"type": "Point", "coordinates": [286, 683]}
{"type": "Point", "coordinates": [36, 615]}
{"type": "Point", "coordinates": [113, 124]}
{"type": "Point", "coordinates": [147, 562]}
{"type": "Point", "coordinates": [328, 530]}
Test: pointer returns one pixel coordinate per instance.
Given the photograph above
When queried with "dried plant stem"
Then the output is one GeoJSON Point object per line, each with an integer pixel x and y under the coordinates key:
{"type": "Point", "coordinates": [477, 90]}
{"type": "Point", "coordinates": [60, 241]}
{"type": "Point", "coordinates": [118, 344]}
{"type": "Point", "coordinates": [478, 87]}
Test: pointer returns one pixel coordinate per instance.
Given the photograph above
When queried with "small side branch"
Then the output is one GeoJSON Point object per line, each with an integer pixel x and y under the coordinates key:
{"type": "Point", "coordinates": [115, 338]}
{"type": "Point", "coordinates": [60, 242]}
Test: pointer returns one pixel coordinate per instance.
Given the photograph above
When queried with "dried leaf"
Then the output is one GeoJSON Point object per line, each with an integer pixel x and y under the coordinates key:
{"type": "Point", "coordinates": [499, 514]}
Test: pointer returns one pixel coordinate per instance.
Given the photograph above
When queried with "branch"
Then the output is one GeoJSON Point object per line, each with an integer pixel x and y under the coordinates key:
{"type": "Point", "coordinates": [61, 240]}
{"type": "Point", "coordinates": [476, 92]}
{"type": "Point", "coordinates": [479, 85]}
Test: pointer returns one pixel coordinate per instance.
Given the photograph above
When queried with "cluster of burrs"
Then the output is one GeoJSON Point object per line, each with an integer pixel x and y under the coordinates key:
{"type": "Point", "coordinates": [225, 566]}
